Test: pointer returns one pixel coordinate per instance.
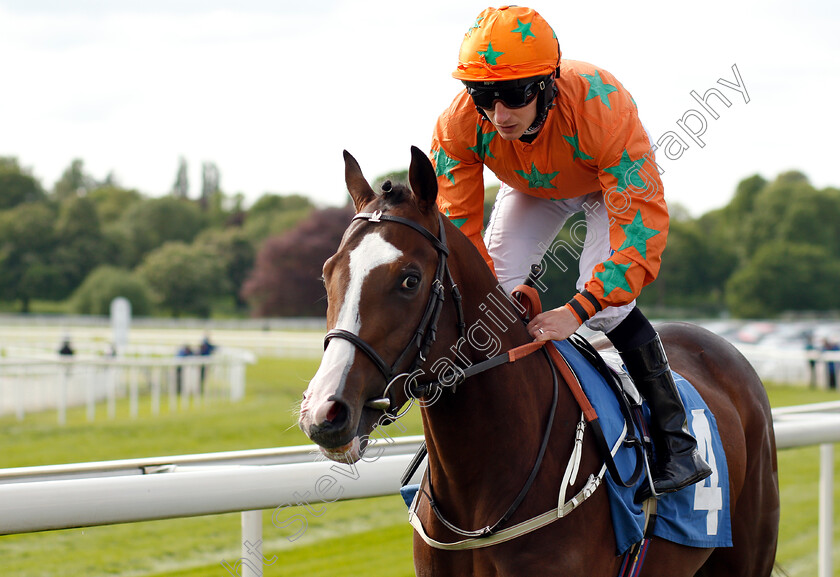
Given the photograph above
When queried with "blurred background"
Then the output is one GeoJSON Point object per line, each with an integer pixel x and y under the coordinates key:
{"type": "Point", "coordinates": [183, 159]}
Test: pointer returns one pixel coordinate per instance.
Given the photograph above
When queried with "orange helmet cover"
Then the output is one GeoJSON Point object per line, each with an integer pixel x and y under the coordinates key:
{"type": "Point", "coordinates": [508, 43]}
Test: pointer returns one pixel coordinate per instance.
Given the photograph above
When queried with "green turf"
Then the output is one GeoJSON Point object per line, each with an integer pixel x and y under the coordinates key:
{"type": "Point", "coordinates": [363, 537]}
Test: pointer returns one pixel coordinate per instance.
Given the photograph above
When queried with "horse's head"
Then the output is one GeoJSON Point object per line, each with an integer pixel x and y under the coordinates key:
{"type": "Point", "coordinates": [381, 292]}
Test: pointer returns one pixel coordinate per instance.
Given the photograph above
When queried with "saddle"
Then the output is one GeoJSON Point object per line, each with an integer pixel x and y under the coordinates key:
{"type": "Point", "coordinates": [696, 516]}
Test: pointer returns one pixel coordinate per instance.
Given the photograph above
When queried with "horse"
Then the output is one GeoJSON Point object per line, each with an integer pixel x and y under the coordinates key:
{"type": "Point", "coordinates": [410, 298]}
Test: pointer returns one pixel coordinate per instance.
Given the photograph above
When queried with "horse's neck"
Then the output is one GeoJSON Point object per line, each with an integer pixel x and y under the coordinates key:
{"type": "Point", "coordinates": [496, 418]}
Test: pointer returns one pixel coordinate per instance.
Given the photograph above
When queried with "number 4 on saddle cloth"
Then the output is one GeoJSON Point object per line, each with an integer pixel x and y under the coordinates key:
{"type": "Point", "coordinates": [696, 516]}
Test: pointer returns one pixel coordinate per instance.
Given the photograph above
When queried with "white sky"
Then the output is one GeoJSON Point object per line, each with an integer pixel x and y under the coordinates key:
{"type": "Point", "coordinates": [272, 92]}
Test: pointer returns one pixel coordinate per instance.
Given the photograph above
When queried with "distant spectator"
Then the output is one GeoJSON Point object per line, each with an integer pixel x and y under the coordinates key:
{"type": "Point", "coordinates": [810, 347]}
{"type": "Point", "coordinates": [66, 349]}
{"type": "Point", "coordinates": [830, 365]}
{"type": "Point", "coordinates": [205, 349]}
{"type": "Point", "coordinates": [184, 351]}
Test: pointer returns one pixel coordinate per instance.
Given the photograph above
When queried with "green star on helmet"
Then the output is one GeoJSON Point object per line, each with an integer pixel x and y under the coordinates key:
{"type": "Point", "coordinates": [444, 164]}
{"type": "Point", "coordinates": [482, 143]}
{"type": "Point", "coordinates": [475, 24]}
{"type": "Point", "coordinates": [637, 234]}
{"type": "Point", "coordinates": [598, 88]}
{"type": "Point", "coordinates": [524, 30]}
{"type": "Point", "coordinates": [537, 179]}
{"type": "Point", "coordinates": [490, 55]}
{"type": "Point", "coordinates": [614, 276]}
{"type": "Point", "coordinates": [627, 172]}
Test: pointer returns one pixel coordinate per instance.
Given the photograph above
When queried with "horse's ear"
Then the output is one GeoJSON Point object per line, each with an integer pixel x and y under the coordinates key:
{"type": "Point", "coordinates": [423, 181]}
{"type": "Point", "coordinates": [358, 187]}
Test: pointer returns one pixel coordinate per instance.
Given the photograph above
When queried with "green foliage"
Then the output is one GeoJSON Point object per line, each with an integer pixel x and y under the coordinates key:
{"type": "Point", "coordinates": [785, 277]}
{"type": "Point", "coordinates": [105, 284]}
{"type": "Point", "coordinates": [184, 278]}
{"type": "Point", "coordinates": [150, 223]}
{"type": "Point", "coordinates": [694, 268]}
{"type": "Point", "coordinates": [27, 239]}
{"type": "Point", "coordinates": [236, 254]}
{"type": "Point", "coordinates": [268, 203]}
{"type": "Point", "coordinates": [50, 243]}
{"type": "Point", "coordinates": [74, 181]}
{"type": "Point", "coordinates": [274, 214]}
{"type": "Point", "coordinates": [17, 185]}
{"type": "Point", "coordinates": [112, 201]}
{"type": "Point", "coordinates": [79, 243]}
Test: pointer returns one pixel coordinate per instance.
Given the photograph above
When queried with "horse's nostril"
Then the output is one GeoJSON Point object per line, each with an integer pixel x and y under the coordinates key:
{"type": "Point", "coordinates": [335, 410]}
{"type": "Point", "coordinates": [332, 413]}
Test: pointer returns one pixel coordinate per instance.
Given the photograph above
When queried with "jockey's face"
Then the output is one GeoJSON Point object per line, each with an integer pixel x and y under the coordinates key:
{"type": "Point", "coordinates": [512, 122]}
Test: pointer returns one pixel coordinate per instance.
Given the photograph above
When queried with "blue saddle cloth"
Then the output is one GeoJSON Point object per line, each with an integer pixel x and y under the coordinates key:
{"type": "Point", "coordinates": [696, 516]}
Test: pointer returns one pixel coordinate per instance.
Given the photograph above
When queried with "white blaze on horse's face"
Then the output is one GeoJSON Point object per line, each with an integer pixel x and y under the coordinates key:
{"type": "Point", "coordinates": [372, 252]}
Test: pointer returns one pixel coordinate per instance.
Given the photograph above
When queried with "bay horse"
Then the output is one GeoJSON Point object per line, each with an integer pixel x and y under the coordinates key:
{"type": "Point", "coordinates": [394, 307]}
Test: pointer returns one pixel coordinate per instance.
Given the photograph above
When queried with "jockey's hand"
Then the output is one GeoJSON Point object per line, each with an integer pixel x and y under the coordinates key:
{"type": "Point", "coordinates": [556, 325]}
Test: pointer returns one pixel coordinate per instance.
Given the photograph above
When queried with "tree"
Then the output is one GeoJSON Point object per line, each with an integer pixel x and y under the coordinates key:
{"type": "Point", "coordinates": [694, 269]}
{"type": "Point", "coordinates": [106, 283]}
{"type": "Point", "coordinates": [779, 213]}
{"type": "Point", "coordinates": [785, 276]}
{"type": "Point", "coordinates": [210, 178]}
{"type": "Point", "coordinates": [27, 239]}
{"type": "Point", "coordinates": [17, 185]}
{"type": "Point", "coordinates": [79, 243]}
{"type": "Point", "coordinates": [286, 277]}
{"type": "Point", "coordinates": [236, 254]}
{"type": "Point", "coordinates": [150, 223]}
{"type": "Point", "coordinates": [181, 188]}
{"type": "Point", "coordinates": [274, 214]}
{"type": "Point", "coordinates": [74, 181]}
{"type": "Point", "coordinates": [184, 278]}
{"type": "Point", "coordinates": [112, 201]}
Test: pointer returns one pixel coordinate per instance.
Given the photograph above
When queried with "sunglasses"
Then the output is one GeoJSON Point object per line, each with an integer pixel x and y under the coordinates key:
{"type": "Point", "coordinates": [513, 93]}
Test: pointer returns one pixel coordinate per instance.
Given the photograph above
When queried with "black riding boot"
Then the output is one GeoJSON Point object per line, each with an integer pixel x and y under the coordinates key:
{"type": "Point", "coordinates": [678, 464]}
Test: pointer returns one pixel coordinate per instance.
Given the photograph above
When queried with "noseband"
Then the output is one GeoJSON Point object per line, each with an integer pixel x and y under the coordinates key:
{"type": "Point", "coordinates": [426, 332]}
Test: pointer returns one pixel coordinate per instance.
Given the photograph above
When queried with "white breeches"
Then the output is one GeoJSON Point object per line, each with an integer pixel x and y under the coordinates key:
{"type": "Point", "coordinates": [522, 231]}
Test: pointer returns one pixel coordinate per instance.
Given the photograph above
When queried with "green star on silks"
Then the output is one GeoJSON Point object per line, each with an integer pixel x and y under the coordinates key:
{"type": "Point", "coordinates": [459, 222]}
{"type": "Point", "coordinates": [537, 179]}
{"type": "Point", "coordinates": [627, 172]}
{"type": "Point", "coordinates": [490, 55]}
{"type": "Point", "coordinates": [482, 142]}
{"type": "Point", "coordinates": [598, 87]}
{"type": "Point", "coordinates": [444, 165]}
{"type": "Point", "coordinates": [614, 277]}
{"type": "Point", "coordinates": [524, 29]}
{"type": "Point", "coordinates": [637, 234]}
{"type": "Point", "coordinates": [475, 25]}
{"type": "Point", "coordinates": [574, 141]}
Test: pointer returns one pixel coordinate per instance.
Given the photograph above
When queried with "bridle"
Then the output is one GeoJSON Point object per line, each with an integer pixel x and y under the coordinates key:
{"type": "Point", "coordinates": [426, 332]}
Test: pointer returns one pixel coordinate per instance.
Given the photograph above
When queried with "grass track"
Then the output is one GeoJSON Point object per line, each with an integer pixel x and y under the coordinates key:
{"type": "Point", "coordinates": [365, 537]}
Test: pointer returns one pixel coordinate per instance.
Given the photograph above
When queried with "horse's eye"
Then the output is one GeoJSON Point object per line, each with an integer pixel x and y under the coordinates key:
{"type": "Point", "coordinates": [410, 282]}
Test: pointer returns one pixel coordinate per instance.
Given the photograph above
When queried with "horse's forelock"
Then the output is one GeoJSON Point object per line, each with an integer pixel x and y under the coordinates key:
{"type": "Point", "coordinates": [396, 195]}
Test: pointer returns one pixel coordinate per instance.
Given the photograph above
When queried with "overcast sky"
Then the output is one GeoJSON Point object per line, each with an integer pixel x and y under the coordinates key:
{"type": "Point", "coordinates": [272, 92]}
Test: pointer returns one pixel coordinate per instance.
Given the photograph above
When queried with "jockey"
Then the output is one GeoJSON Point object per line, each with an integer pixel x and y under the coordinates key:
{"type": "Point", "coordinates": [564, 137]}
